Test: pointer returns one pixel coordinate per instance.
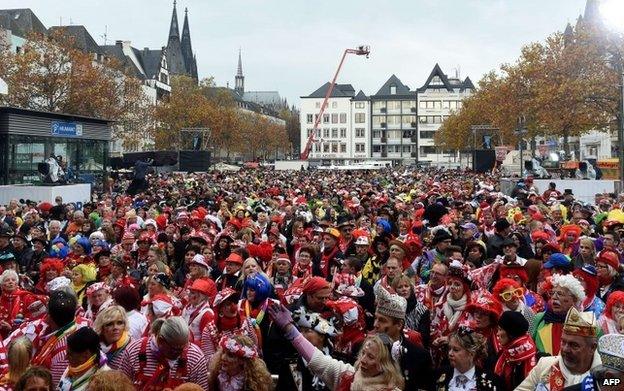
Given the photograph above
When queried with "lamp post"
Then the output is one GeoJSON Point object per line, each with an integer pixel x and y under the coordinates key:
{"type": "Point", "coordinates": [520, 131]}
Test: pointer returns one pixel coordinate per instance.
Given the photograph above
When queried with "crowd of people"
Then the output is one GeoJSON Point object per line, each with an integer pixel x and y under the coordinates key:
{"type": "Point", "coordinates": [397, 279]}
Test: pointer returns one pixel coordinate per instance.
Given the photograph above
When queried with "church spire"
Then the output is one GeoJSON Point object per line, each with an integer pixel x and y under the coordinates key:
{"type": "Point", "coordinates": [175, 59]}
{"type": "Point", "coordinates": [239, 71]}
{"type": "Point", "coordinates": [239, 79]}
{"type": "Point", "coordinates": [174, 31]}
{"type": "Point", "coordinates": [568, 35]}
{"type": "Point", "coordinates": [187, 49]}
{"type": "Point", "coordinates": [592, 12]}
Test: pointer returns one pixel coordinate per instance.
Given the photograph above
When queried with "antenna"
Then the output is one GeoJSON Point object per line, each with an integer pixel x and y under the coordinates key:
{"type": "Point", "coordinates": [61, 21]}
{"type": "Point", "coordinates": [105, 35]}
{"type": "Point", "coordinates": [71, 22]}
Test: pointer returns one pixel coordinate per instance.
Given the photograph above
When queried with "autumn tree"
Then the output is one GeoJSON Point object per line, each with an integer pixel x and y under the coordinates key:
{"type": "Point", "coordinates": [51, 74]}
{"type": "Point", "coordinates": [563, 87]}
{"type": "Point", "coordinates": [232, 129]}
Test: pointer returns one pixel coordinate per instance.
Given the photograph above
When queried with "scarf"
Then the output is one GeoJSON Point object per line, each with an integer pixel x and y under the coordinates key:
{"type": "Point", "coordinates": [231, 383]}
{"type": "Point", "coordinates": [11, 306]}
{"type": "Point", "coordinates": [115, 348]}
{"type": "Point", "coordinates": [375, 383]}
{"type": "Point", "coordinates": [551, 317]}
{"type": "Point", "coordinates": [44, 356]}
{"type": "Point", "coordinates": [453, 309]}
{"type": "Point", "coordinates": [300, 272]}
{"type": "Point", "coordinates": [78, 378]}
{"type": "Point", "coordinates": [520, 350]}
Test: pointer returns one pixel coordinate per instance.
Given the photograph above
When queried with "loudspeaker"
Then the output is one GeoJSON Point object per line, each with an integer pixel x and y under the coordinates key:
{"type": "Point", "coordinates": [484, 160]}
{"type": "Point", "coordinates": [194, 160]}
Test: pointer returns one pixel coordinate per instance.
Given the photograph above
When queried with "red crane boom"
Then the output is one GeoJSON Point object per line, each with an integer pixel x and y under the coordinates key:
{"type": "Point", "coordinates": [360, 51]}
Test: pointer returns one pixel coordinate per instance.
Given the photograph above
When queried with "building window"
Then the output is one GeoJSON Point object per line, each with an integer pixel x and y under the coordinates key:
{"type": "Point", "coordinates": [408, 106]}
{"type": "Point", "coordinates": [378, 105]}
{"type": "Point", "coordinates": [309, 132]}
{"type": "Point", "coordinates": [309, 118]}
{"type": "Point", "coordinates": [334, 132]}
{"type": "Point", "coordinates": [394, 105]}
{"type": "Point", "coordinates": [427, 149]}
{"type": "Point", "coordinates": [376, 133]}
{"type": "Point", "coordinates": [427, 134]}
{"type": "Point", "coordinates": [343, 118]}
{"type": "Point", "coordinates": [325, 147]}
{"type": "Point", "coordinates": [326, 133]}
{"type": "Point", "coordinates": [392, 90]}
{"type": "Point", "coordinates": [334, 118]}
{"type": "Point", "coordinates": [377, 148]}
{"type": "Point", "coordinates": [334, 148]}
{"type": "Point", "coordinates": [325, 118]}
{"type": "Point", "coordinates": [343, 148]}
{"type": "Point", "coordinates": [318, 133]}
{"type": "Point", "coordinates": [334, 105]}
{"type": "Point", "coordinates": [359, 105]}
{"type": "Point", "coordinates": [359, 147]}
{"type": "Point", "coordinates": [360, 118]}
{"type": "Point", "coordinates": [359, 132]}
{"type": "Point", "coordinates": [318, 105]}
{"type": "Point", "coordinates": [446, 104]}
{"type": "Point", "coordinates": [343, 132]}
{"type": "Point", "coordinates": [407, 149]}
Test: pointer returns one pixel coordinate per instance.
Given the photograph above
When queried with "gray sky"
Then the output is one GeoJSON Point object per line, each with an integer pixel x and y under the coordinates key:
{"type": "Point", "coordinates": [294, 46]}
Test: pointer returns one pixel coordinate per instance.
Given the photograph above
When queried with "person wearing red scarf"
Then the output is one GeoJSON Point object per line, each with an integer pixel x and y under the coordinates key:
{"type": "Point", "coordinates": [517, 354]}
{"type": "Point", "coordinates": [484, 311]}
{"type": "Point", "coordinates": [11, 303]}
{"type": "Point", "coordinates": [331, 252]}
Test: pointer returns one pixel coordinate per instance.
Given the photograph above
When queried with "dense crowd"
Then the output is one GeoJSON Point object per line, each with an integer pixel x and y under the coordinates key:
{"type": "Point", "coordinates": [398, 279]}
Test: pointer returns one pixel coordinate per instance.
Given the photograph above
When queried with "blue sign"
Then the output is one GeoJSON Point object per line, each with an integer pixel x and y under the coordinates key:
{"type": "Point", "coordinates": [66, 129]}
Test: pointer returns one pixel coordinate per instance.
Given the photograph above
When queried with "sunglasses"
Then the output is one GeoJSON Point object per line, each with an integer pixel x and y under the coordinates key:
{"type": "Point", "coordinates": [508, 295]}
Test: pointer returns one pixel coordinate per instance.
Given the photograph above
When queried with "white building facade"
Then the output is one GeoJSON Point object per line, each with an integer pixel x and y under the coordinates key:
{"type": "Point", "coordinates": [395, 123]}
{"type": "Point", "coordinates": [437, 99]}
{"type": "Point", "coordinates": [335, 135]}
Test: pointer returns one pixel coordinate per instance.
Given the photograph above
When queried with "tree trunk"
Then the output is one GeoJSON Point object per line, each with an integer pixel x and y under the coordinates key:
{"type": "Point", "coordinates": [566, 143]}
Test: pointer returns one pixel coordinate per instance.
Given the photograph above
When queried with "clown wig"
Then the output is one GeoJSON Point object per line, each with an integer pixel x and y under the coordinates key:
{"type": "Point", "coordinates": [260, 283]}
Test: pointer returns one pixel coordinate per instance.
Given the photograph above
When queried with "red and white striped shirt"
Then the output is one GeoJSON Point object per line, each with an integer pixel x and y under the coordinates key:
{"type": "Point", "coordinates": [196, 366]}
{"type": "Point", "coordinates": [198, 319]}
{"type": "Point", "coordinates": [38, 332]}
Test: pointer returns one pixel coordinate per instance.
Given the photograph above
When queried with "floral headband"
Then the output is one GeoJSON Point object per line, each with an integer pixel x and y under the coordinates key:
{"type": "Point", "coordinates": [234, 347]}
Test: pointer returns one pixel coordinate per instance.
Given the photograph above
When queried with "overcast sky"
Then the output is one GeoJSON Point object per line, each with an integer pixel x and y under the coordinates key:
{"type": "Point", "coordinates": [293, 46]}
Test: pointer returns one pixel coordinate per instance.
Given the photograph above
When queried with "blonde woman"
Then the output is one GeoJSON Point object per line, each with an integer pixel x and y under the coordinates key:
{"type": "Point", "coordinates": [375, 369]}
{"type": "Point", "coordinates": [18, 355]}
{"type": "Point", "coordinates": [112, 326]}
{"type": "Point", "coordinates": [237, 367]}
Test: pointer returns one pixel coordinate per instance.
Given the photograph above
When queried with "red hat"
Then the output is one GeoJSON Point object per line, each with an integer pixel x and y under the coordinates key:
{"type": "Point", "coordinates": [45, 206]}
{"type": "Point", "coordinates": [161, 221]}
{"type": "Point", "coordinates": [537, 236]}
{"type": "Point", "coordinates": [570, 228]}
{"type": "Point", "coordinates": [222, 296]}
{"type": "Point", "coordinates": [514, 271]}
{"type": "Point", "coordinates": [127, 236]}
{"type": "Point", "coordinates": [204, 286]}
{"type": "Point", "coordinates": [610, 258]}
{"type": "Point", "coordinates": [486, 302]}
{"type": "Point", "coordinates": [234, 258]}
{"type": "Point", "coordinates": [315, 284]}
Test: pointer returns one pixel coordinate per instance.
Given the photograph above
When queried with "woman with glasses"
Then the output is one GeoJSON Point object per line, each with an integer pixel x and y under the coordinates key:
{"type": "Point", "coordinates": [112, 326]}
{"type": "Point", "coordinates": [612, 319]}
{"type": "Point", "coordinates": [511, 296]}
{"type": "Point", "coordinates": [467, 349]}
{"type": "Point", "coordinates": [588, 276]}
{"type": "Point", "coordinates": [450, 312]}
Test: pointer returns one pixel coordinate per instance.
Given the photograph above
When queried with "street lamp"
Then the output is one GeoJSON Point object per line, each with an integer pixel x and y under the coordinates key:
{"type": "Point", "coordinates": [612, 12]}
{"type": "Point", "coordinates": [520, 131]}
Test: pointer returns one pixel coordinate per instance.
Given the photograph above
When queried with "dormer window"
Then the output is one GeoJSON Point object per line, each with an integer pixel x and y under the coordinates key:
{"type": "Point", "coordinates": [392, 90]}
{"type": "Point", "coordinates": [436, 81]}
